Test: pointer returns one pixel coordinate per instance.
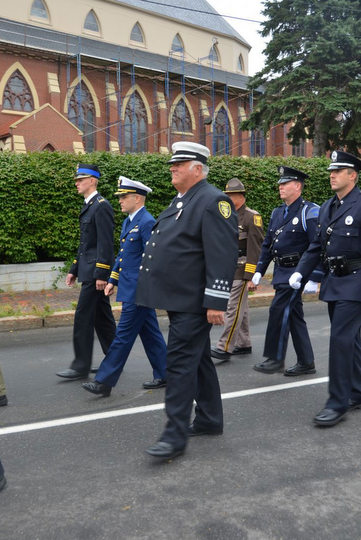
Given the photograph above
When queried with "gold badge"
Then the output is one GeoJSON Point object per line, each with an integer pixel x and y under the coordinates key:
{"type": "Point", "coordinates": [225, 209]}
{"type": "Point", "coordinates": [257, 220]}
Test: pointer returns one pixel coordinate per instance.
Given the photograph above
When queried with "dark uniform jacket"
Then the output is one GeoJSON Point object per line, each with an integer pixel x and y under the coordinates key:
{"type": "Point", "coordinates": [96, 252]}
{"type": "Point", "coordinates": [250, 238]}
{"type": "Point", "coordinates": [344, 239]}
{"type": "Point", "coordinates": [289, 237]}
{"type": "Point", "coordinates": [133, 238]}
{"type": "Point", "coordinates": [189, 263]}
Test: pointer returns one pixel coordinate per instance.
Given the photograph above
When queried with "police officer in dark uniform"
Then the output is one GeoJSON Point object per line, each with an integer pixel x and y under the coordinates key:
{"type": "Point", "coordinates": [187, 269]}
{"type": "Point", "coordinates": [338, 244]}
{"type": "Point", "coordinates": [92, 267]}
{"type": "Point", "coordinates": [291, 229]}
{"type": "Point", "coordinates": [134, 320]}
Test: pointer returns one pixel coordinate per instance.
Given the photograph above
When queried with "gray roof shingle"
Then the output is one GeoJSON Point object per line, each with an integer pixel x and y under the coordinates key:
{"type": "Point", "coordinates": [200, 14]}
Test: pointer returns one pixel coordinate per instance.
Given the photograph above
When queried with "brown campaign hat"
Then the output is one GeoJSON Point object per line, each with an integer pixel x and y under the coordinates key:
{"type": "Point", "coordinates": [234, 186]}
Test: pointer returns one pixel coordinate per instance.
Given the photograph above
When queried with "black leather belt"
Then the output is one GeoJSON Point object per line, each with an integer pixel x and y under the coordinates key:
{"type": "Point", "coordinates": [287, 261]}
{"type": "Point", "coordinates": [341, 265]}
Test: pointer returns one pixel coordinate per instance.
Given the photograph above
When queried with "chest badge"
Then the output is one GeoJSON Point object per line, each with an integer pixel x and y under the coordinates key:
{"type": "Point", "coordinates": [179, 204]}
{"type": "Point", "coordinates": [295, 221]}
{"type": "Point", "coordinates": [349, 220]}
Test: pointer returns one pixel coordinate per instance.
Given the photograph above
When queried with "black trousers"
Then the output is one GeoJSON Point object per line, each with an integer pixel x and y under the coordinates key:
{"type": "Point", "coordinates": [285, 316]}
{"type": "Point", "coordinates": [93, 312]}
{"type": "Point", "coordinates": [191, 375]}
{"type": "Point", "coordinates": [344, 354]}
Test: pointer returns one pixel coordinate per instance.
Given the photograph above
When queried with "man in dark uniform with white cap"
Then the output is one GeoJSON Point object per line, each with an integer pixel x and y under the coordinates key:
{"type": "Point", "coordinates": [235, 338]}
{"type": "Point", "coordinates": [92, 267]}
{"type": "Point", "coordinates": [188, 270]}
{"type": "Point", "coordinates": [338, 244]}
{"type": "Point", "coordinates": [291, 229]}
{"type": "Point", "coordinates": [134, 320]}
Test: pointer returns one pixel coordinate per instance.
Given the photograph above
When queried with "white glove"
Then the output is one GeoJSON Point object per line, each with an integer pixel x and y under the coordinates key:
{"type": "Point", "coordinates": [310, 287]}
{"type": "Point", "coordinates": [295, 280]}
{"type": "Point", "coordinates": [256, 278]}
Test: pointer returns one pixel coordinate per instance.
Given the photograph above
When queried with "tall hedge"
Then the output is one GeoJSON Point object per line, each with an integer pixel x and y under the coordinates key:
{"type": "Point", "coordinates": [40, 205]}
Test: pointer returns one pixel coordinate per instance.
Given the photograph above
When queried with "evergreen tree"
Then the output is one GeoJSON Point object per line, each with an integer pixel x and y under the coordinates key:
{"type": "Point", "coordinates": [312, 74]}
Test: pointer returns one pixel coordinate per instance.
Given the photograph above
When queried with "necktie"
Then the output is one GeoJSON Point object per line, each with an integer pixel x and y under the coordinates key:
{"type": "Point", "coordinates": [285, 212]}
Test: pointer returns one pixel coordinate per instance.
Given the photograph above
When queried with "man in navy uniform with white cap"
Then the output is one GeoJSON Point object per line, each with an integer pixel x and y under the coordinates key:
{"type": "Point", "coordinates": [92, 267]}
{"type": "Point", "coordinates": [338, 244]}
{"type": "Point", "coordinates": [291, 229]}
{"type": "Point", "coordinates": [188, 270]}
{"type": "Point", "coordinates": [134, 320]}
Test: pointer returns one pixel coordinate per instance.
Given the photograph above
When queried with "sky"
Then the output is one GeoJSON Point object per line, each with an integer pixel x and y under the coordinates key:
{"type": "Point", "coordinates": [248, 9]}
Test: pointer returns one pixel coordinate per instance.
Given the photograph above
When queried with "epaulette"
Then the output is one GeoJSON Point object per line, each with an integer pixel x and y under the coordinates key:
{"type": "Point", "coordinates": [100, 199]}
{"type": "Point", "coordinates": [251, 211]}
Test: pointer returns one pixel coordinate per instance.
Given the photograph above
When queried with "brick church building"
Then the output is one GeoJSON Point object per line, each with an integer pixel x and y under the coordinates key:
{"type": "Point", "coordinates": [126, 76]}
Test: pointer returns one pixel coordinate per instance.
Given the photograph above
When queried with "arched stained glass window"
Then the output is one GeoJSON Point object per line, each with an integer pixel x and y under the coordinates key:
{"type": "Point", "coordinates": [81, 113]}
{"type": "Point", "coordinates": [38, 9]}
{"type": "Point", "coordinates": [177, 44]}
{"type": "Point", "coordinates": [221, 132]}
{"type": "Point", "coordinates": [91, 22]}
{"type": "Point", "coordinates": [240, 66]}
{"type": "Point", "coordinates": [135, 125]}
{"type": "Point", "coordinates": [181, 119]}
{"type": "Point", "coordinates": [137, 34]}
{"type": "Point", "coordinates": [17, 95]}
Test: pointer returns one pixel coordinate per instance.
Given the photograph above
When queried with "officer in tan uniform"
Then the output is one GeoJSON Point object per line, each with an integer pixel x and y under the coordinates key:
{"type": "Point", "coordinates": [235, 338]}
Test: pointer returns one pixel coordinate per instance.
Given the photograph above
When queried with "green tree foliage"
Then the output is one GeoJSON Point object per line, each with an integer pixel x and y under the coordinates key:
{"type": "Point", "coordinates": [40, 205]}
{"type": "Point", "coordinates": [312, 74]}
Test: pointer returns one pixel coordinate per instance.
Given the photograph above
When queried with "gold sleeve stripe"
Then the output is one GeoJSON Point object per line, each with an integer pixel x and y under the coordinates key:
{"type": "Point", "coordinates": [250, 268]}
{"type": "Point", "coordinates": [114, 275]}
{"type": "Point", "coordinates": [101, 265]}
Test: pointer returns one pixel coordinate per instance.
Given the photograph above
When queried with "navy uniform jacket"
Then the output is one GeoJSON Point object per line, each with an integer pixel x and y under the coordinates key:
{"type": "Point", "coordinates": [133, 238]}
{"type": "Point", "coordinates": [345, 239]}
{"type": "Point", "coordinates": [96, 251]}
{"type": "Point", "coordinates": [189, 263]}
{"type": "Point", "coordinates": [289, 236]}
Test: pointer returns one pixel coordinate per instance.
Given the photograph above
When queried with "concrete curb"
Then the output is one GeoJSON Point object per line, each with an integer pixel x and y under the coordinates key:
{"type": "Point", "coordinates": [66, 318]}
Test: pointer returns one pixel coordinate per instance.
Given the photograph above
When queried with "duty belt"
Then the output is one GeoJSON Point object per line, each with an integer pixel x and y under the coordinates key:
{"type": "Point", "coordinates": [242, 252]}
{"type": "Point", "coordinates": [288, 261]}
{"type": "Point", "coordinates": [341, 265]}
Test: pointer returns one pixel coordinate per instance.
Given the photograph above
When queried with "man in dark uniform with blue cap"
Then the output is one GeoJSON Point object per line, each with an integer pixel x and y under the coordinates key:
{"type": "Point", "coordinates": [188, 270]}
{"type": "Point", "coordinates": [291, 229]}
{"type": "Point", "coordinates": [92, 267]}
{"type": "Point", "coordinates": [134, 320]}
{"type": "Point", "coordinates": [338, 244]}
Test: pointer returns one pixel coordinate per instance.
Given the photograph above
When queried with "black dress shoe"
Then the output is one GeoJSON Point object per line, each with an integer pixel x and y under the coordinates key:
{"type": "Point", "coordinates": [2, 482]}
{"type": "Point", "coordinates": [155, 383]}
{"type": "Point", "coordinates": [300, 369]}
{"type": "Point", "coordinates": [269, 366]}
{"type": "Point", "coordinates": [97, 388]}
{"type": "Point", "coordinates": [242, 350]}
{"type": "Point", "coordinates": [3, 401]}
{"type": "Point", "coordinates": [72, 374]}
{"type": "Point", "coordinates": [164, 450]}
{"type": "Point", "coordinates": [329, 417]}
{"type": "Point", "coordinates": [221, 355]}
{"type": "Point", "coordinates": [194, 431]}
{"type": "Point", "coordinates": [354, 404]}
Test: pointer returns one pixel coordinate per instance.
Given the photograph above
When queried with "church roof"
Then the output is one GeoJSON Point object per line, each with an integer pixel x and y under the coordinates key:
{"type": "Point", "coordinates": [199, 13]}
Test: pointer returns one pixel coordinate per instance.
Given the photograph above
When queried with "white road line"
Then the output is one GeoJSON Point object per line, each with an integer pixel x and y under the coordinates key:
{"type": "Point", "coordinates": [149, 408]}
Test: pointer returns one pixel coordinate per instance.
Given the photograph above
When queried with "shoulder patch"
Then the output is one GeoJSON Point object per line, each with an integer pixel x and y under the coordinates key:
{"type": "Point", "coordinates": [313, 212]}
{"type": "Point", "coordinates": [257, 220]}
{"type": "Point", "coordinates": [225, 209]}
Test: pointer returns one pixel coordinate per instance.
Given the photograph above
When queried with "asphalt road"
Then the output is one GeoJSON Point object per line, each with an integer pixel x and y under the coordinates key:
{"type": "Point", "coordinates": [77, 470]}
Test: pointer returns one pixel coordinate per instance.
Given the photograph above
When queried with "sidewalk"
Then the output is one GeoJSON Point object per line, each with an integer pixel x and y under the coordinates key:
{"type": "Point", "coordinates": [55, 307]}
